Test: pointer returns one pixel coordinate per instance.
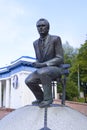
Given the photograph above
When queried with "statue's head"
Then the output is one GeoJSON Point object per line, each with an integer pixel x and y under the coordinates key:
{"type": "Point", "coordinates": [43, 26]}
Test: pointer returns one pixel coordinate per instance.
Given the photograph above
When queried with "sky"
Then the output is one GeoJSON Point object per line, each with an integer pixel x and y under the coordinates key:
{"type": "Point", "coordinates": [67, 18]}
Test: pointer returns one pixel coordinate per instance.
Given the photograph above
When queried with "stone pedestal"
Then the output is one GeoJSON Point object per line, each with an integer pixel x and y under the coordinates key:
{"type": "Point", "coordinates": [55, 117]}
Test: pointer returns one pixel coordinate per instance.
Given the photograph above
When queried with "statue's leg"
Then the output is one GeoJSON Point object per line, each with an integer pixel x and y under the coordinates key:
{"type": "Point", "coordinates": [46, 84]}
{"type": "Point", "coordinates": [46, 75]}
{"type": "Point", "coordinates": [32, 81]}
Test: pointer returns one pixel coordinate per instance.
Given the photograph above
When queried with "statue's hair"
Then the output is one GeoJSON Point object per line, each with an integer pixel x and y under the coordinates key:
{"type": "Point", "coordinates": [46, 21]}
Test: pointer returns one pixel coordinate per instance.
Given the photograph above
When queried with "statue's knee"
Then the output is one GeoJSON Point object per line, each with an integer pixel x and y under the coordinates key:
{"type": "Point", "coordinates": [29, 82]}
{"type": "Point", "coordinates": [26, 82]}
{"type": "Point", "coordinates": [42, 71]}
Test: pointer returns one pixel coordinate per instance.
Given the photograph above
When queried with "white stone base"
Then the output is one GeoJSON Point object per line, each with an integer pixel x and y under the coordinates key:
{"type": "Point", "coordinates": [32, 118]}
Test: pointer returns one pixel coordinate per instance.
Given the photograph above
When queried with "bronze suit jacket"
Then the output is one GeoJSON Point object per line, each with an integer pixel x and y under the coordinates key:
{"type": "Point", "coordinates": [53, 51]}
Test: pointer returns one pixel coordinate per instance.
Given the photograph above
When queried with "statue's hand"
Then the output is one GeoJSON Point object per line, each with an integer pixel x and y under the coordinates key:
{"type": "Point", "coordinates": [38, 65]}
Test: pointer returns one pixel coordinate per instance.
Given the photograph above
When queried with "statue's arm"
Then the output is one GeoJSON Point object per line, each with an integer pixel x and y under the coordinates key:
{"type": "Point", "coordinates": [59, 54]}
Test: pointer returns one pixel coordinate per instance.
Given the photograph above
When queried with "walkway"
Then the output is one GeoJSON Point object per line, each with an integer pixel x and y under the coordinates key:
{"type": "Point", "coordinates": [81, 107]}
{"type": "Point", "coordinates": [4, 112]}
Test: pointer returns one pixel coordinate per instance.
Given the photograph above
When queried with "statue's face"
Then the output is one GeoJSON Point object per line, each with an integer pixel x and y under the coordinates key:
{"type": "Point", "coordinates": [42, 28]}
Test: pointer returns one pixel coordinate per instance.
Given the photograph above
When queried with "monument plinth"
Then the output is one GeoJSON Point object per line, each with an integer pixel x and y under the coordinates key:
{"type": "Point", "coordinates": [55, 117]}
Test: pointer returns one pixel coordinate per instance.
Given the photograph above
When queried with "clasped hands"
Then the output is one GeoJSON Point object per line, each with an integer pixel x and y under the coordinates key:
{"type": "Point", "coordinates": [38, 65]}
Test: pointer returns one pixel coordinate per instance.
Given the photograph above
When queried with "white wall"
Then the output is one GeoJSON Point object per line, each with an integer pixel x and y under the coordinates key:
{"type": "Point", "coordinates": [22, 95]}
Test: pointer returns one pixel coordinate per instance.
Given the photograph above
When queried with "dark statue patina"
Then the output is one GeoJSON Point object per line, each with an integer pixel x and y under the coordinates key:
{"type": "Point", "coordinates": [49, 57]}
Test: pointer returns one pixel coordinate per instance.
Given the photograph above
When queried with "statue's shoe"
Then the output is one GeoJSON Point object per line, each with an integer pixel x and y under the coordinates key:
{"type": "Point", "coordinates": [45, 103]}
{"type": "Point", "coordinates": [36, 102]}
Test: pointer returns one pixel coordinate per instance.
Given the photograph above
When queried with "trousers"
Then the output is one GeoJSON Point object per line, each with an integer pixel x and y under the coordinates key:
{"type": "Point", "coordinates": [42, 76]}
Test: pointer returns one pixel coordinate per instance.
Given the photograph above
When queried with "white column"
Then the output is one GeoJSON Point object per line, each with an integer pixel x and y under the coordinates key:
{"type": "Point", "coordinates": [0, 94]}
{"type": "Point", "coordinates": [55, 89]}
{"type": "Point", "coordinates": [7, 105]}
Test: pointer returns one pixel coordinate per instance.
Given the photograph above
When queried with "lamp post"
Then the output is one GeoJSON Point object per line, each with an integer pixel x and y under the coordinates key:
{"type": "Point", "coordinates": [78, 81]}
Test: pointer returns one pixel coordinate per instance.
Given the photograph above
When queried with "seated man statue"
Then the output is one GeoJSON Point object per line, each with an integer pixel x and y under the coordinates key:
{"type": "Point", "coordinates": [49, 57]}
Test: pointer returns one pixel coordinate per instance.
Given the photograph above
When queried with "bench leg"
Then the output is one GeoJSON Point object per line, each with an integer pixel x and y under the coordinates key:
{"type": "Point", "coordinates": [63, 90]}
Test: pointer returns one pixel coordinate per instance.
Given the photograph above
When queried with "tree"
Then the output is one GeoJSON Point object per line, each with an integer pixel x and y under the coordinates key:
{"type": "Point", "coordinates": [78, 70]}
{"type": "Point", "coordinates": [71, 90]}
{"type": "Point", "coordinates": [70, 55]}
{"type": "Point", "coordinates": [78, 61]}
{"type": "Point", "coordinates": [82, 61]}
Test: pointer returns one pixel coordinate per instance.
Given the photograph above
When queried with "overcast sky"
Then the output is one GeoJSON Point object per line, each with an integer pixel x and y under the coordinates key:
{"type": "Point", "coordinates": [67, 18]}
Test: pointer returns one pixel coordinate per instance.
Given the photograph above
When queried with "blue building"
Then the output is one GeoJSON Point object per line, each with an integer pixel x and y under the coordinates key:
{"type": "Point", "coordinates": [13, 91]}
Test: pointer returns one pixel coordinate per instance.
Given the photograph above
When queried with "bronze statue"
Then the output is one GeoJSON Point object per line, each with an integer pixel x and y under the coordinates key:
{"type": "Point", "coordinates": [49, 57]}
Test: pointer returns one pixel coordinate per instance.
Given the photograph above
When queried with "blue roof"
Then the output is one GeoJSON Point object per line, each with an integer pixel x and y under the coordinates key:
{"type": "Point", "coordinates": [22, 63]}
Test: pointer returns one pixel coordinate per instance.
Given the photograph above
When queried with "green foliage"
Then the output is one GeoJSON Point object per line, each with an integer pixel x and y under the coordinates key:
{"type": "Point", "coordinates": [82, 61]}
{"type": "Point", "coordinates": [77, 58]}
{"type": "Point", "coordinates": [71, 90]}
{"type": "Point", "coordinates": [80, 65]}
{"type": "Point", "coordinates": [74, 72]}
{"type": "Point", "coordinates": [81, 100]}
{"type": "Point", "coordinates": [69, 53]}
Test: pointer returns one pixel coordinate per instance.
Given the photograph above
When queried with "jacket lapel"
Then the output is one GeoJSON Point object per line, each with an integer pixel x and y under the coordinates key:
{"type": "Point", "coordinates": [39, 54]}
{"type": "Point", "coordinates": [47, 44]}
